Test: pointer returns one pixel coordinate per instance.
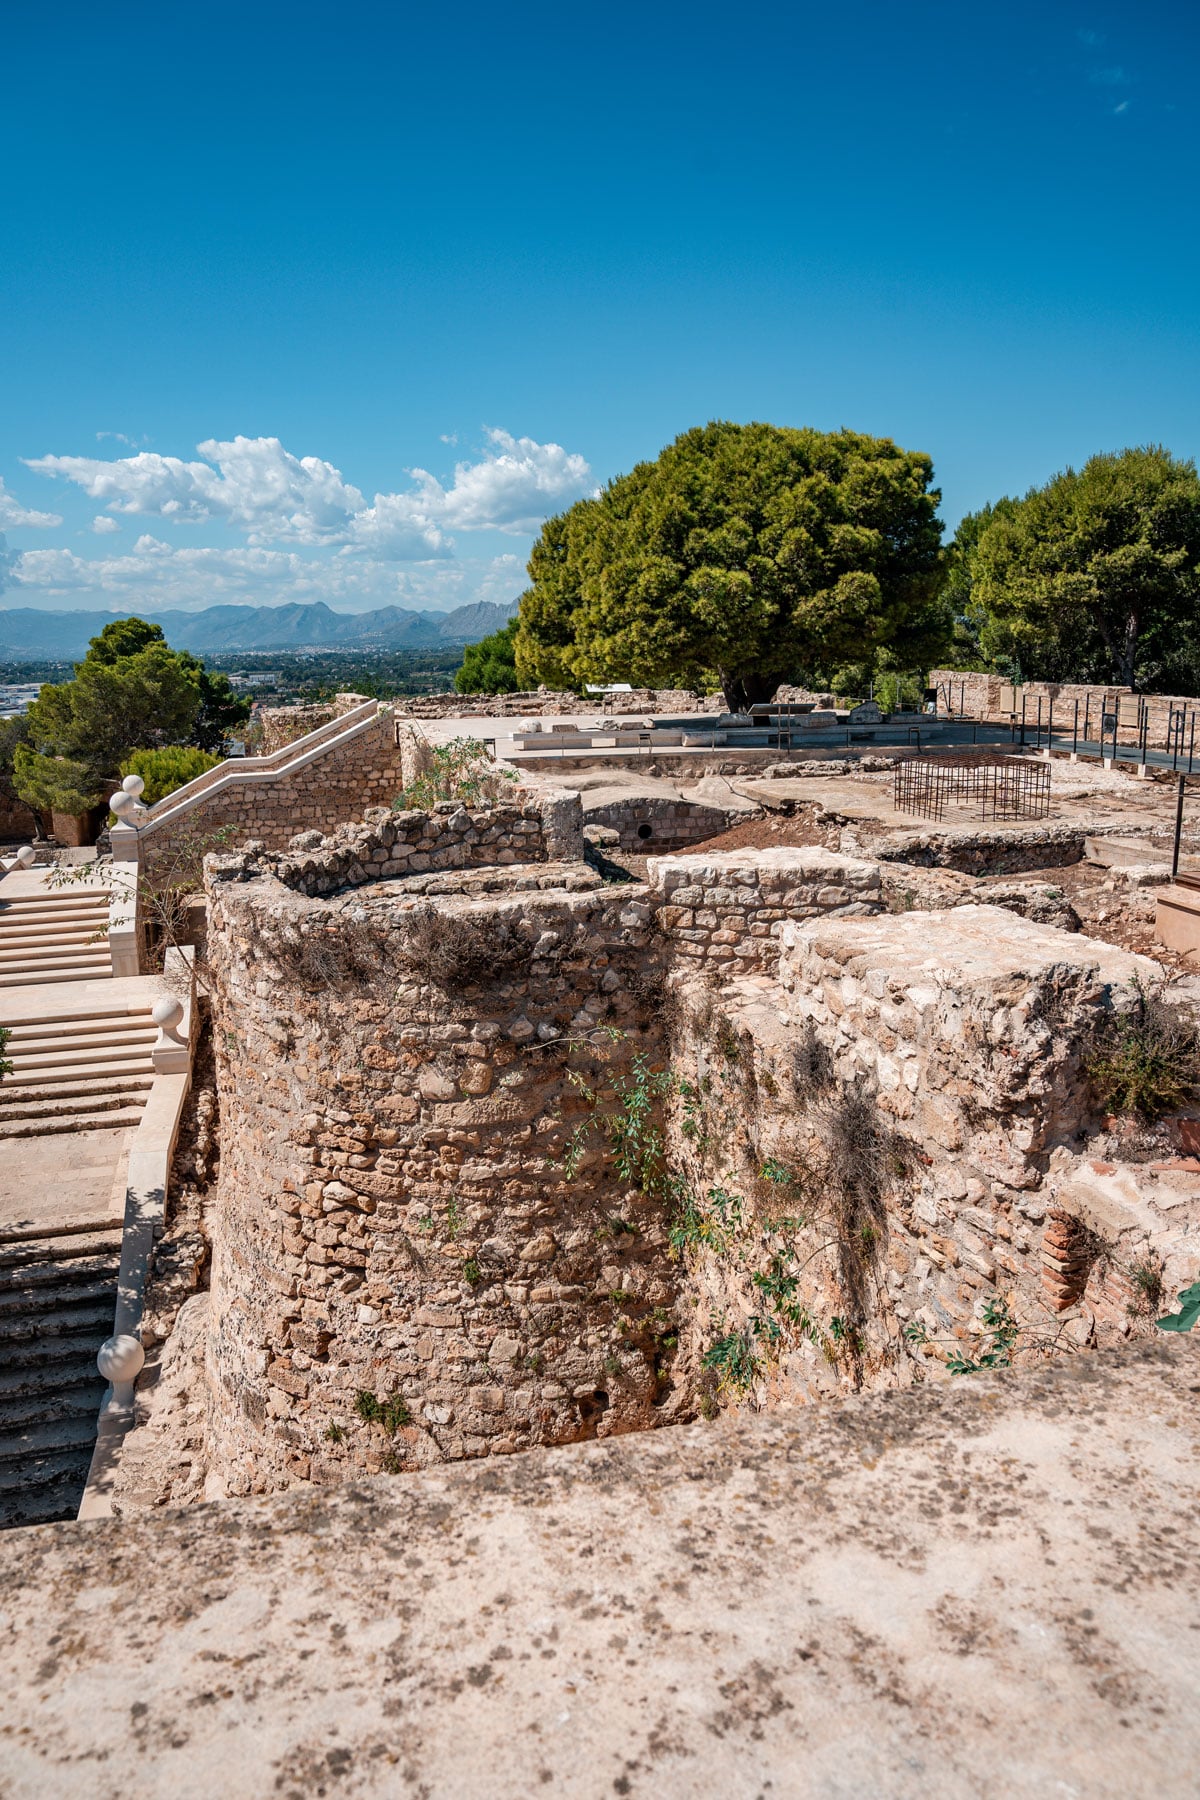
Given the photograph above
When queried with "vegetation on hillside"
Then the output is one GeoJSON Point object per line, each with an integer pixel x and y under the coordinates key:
{"type": "Point", "coordinates": [489, 667]}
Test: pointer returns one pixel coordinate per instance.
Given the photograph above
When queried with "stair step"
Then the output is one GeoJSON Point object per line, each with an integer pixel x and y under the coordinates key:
{"type": "Point", "coordinates": [50, 1379]}
{"type": "Point", "coordinates": [21, 1449]}
{"type": "Point", "coordinates": [55, 1500]}
{"type": "Point", "coordinates": [59, 1127]}
{"type": "Point", "coordinates": [65, 1359]}
{"type": "Point", "coordinates": [75, 1400]}
{"type": "Point", "coordinates": [72, 1105]}
{"type": "Point", "coordinates": [85, 1024]}
{"type": "Point", "coordinates": [62, 956]}
{"type": "Point", "coordinates": [71, 1273]}
{"type": "Point", "coordinates": [72, 1057]}
{"type": "Point", "coordinates": [64, 1312]}
{"type": "Point", "coordinates": [65, 1347]}
{"type": "Point", "coordinates": [35, 1049]}
{"type": "Point", "coordinates": [39, 977]}
{"type": "Point", "coordinates": [93, 1240]}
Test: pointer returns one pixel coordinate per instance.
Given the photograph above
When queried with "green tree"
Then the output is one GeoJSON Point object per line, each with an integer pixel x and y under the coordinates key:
{"type": "Point", "coordinates": [165, 770]}
{"type": "Point", "coordinates": [747, 553]}
{"type": "Point", "coordinates": [489, 667]}
{"type": "Point", "coordinates": [130, 692]}
{"type": "Point", "coordinates": [1097, 574]}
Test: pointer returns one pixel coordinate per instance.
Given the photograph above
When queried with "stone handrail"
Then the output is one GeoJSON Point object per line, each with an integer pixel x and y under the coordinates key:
{"type": "Point", "coordinates": [257, 765]}
{"type": "Point", "coordinates": [238, 772]}
{"type": "Point", "coordinates": [121, 1356]}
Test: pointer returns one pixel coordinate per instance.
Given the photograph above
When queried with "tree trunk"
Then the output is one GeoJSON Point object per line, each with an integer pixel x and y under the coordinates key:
{"type": "Point", "coordinates": [1127, 652]}
{"type": "Point", "coordinates": [745, 689]}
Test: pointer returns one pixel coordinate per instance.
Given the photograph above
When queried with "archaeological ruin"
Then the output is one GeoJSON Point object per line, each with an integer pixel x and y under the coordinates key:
{"type": "Point", "coordinates": [555, 1077]}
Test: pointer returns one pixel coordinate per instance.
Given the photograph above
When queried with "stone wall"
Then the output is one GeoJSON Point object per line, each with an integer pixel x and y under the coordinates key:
{"type": "Point", "coordinates": [653, 822]}
{"type": "Point", "coordinates": [1000, 850]}
{"type": "Point", "coordinates": [282, 725]}
{"type": "Point", "coordinates": [543, 703]}
{"type": "Point", "coordinates": [984, 696]}
{"type": "Point", "coordinates": [340, 783]}
{"type": "Point", "coordinates": [543, 827]}
{"type": "Point", "coordinates": [527, 1167]}
{"type": "Point", "coordinates": [396, 1217]}
{"type": "Point", "coordinates": [726, 910]}
{"type": "Point", "coordinates": [898, 1136]}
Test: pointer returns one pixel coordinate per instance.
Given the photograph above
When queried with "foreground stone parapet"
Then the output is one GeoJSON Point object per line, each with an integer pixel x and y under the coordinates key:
{"type": "Point", "coordinates": [728, 908]}
{"type": "Point", "coordinates": [902, 1595]}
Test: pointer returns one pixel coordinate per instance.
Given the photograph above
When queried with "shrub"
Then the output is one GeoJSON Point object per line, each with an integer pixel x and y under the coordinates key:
{"type": "Point", "coordinates": [165, 770]}
{"type": "Point", "coordinates": [460, 770]}
{"type": "Point", "coordinates": [1147, 1060]}
{"type": "Point", "coordinates": [456, 952]}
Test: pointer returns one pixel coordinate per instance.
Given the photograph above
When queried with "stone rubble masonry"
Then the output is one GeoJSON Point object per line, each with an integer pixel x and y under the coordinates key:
{"type": "Point", "coordinates": [401, 1216]}
{"type": "Point", "coordinates": [282, 725]}
{"type": "Point", "coordinates": [395, 1216]}
{"type": "Point", "coordinates": [645, 822]}
{"type": "Point", "coordinates": [1000, 850]}
{"type": "Point", "coordinates": [546, 826]}
{"type": "Point", "coordinates": [962, 1036]}
{"type": "Point", "coordinates": [726, 910]}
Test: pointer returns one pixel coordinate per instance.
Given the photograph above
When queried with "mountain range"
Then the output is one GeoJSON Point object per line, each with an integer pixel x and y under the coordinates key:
{"type": "Point", "coordinates": [28, 633]}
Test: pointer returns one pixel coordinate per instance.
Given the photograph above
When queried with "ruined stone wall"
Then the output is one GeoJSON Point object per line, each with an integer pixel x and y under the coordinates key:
{"type": "Point", "coordinates": [543, 703]}
{"type": "Point", "coordinates": [651, 822]}
{"type": "Point", "coordinates": [894, 1138]}
{"type": "Point", "coordinates": [544, 827]}
{"type": "Point", "coordinates": [282, 725]}
{"type": "Point", "coordinates": [446, 1227]}
{"type": "Point", "coordinates": [727, 909]}
{"type": "Point", "coordinates": [396, 1219]}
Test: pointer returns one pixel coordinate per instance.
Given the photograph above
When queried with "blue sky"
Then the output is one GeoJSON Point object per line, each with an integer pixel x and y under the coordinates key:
{"type": "Point", "coordinates": [516, 250]}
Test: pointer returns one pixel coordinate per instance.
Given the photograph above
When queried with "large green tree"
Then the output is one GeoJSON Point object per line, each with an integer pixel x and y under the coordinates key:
{"type": "Point", "coordinates": [744, 555]}
{"type": "Point", "coordinates": [130, 692]}
{"type": "Point", "coordinates": [1094, 576]}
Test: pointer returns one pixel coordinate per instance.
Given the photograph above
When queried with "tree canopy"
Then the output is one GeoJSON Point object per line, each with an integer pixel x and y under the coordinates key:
{"type": "Point", "coordinates": [489, 667]}
{"type": "Point", "coordinates": [745, 555]}
{"type": "Point", "coordinates": [130, 692]}
{"type": "Point", "coordinates": [1095, 576]}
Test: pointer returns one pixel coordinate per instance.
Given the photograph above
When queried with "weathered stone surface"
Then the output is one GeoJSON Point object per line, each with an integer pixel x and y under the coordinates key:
{"type": "Point", "coordinates": [901, 1595]}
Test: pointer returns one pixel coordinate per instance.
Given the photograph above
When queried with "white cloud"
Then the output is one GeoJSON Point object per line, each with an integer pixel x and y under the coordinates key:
{"type": "Point", "coordinates": [13, 513]}
{"type": "Point", "coordinates": [104, 523]}
{"type": "Point", "coordinates": [258, 487]}
{"type": "Point", "coordinates": [157, 574]}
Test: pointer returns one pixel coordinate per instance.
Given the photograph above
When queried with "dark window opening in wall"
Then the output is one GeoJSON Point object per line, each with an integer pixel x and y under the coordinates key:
{"type": "Point", "coordinates": [644, 831]}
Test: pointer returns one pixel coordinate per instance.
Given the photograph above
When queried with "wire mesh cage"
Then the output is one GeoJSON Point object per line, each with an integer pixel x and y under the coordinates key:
{"type": "Point", "coordinates": [989, 787]}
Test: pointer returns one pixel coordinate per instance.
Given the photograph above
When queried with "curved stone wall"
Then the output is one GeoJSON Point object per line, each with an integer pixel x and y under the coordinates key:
{"type": "Point", "coordinates": [404, 1270]}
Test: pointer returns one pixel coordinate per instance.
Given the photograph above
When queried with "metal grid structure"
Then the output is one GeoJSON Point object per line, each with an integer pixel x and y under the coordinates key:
{"type": "Point", "coordinates": [992, 787]}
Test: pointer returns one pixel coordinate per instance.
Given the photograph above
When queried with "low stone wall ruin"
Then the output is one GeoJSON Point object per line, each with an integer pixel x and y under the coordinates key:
{"type": "Point", "coordinates": [503, 1168]}
{"type": "Point", "coordinates": [545, 703]}
{"type": "Point", "coordinates": [283, 725]}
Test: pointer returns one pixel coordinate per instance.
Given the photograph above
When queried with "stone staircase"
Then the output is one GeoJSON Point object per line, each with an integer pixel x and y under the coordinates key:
{"type": "Point", "coordinates": [83, 1072]}
{"type": "Point", "coordinates": [57, 1292]}
{"type": "Point", "coordinates": [54, 936]}
{"type": "Point", "coordinates": [86, 1071]}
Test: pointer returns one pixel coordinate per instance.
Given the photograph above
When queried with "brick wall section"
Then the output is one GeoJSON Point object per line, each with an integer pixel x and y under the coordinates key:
{"type": "Point", "coordinates": [726, 910]}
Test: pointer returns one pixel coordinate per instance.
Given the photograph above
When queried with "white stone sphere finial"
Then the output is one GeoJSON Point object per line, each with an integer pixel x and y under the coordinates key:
{"type": "Point", "coordinates": [120, 1358]}
{"type": "Point", "coordinates": [26, 856]}
{"type": "Point", "coordinates": [124, 805]}
{"type": "Point", "coordinates": [166, 1014]}
{"type": "Point", "coordinates": [133, 784]}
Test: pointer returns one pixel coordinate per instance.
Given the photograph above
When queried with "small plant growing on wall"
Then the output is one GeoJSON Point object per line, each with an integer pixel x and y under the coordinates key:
{"type": "Point", "coordinates": [1146, 1061]}
{"type": "Point", "coordinates": [390, 1412]}
{"type": "Point", "coordinates": [460, 770]}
